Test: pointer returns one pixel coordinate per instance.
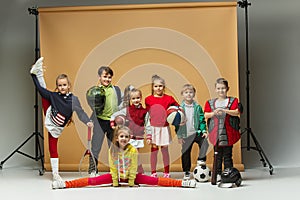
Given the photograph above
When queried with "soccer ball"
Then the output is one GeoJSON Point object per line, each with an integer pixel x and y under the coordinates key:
{"type": "Point", "coordinates": [202, 173]}
{"type": "Point", "coordinates": [175, 115]}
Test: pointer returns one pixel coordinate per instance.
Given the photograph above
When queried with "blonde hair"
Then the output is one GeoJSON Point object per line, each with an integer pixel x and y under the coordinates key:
{"type": "Point", "coordinates": [115, 147]}
{"type": "Point", "coordinates": [188, 87]}
{"type": "Point", "coordinates": [126, 97]}
{"type": "Point", "coordinates": [157, 78]}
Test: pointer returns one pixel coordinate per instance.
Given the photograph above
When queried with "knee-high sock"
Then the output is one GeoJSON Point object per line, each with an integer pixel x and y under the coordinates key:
{"type": "Point", "coordinates": [54, 165]}
{"type": "Point", "coordinates": [153, 160]}
{"type": "Point", "coordinates": [82, 182]}
{"type": "Point", "coordinates": [169, 182]}
{"type": "Point", "coordinates": [166, 159]}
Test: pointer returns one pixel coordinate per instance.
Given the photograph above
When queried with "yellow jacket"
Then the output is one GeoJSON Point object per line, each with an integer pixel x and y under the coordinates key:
{"type": "Point", "coordinates": [124, 165]}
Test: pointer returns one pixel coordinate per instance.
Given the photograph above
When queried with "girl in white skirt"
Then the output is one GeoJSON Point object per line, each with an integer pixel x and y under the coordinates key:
{"type": "Point", "coordinates": [157, 127]}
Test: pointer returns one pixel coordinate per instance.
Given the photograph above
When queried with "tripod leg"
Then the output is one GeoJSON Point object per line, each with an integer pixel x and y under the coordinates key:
{"type": "Point", "coordinates": [41, 156]}
{"type": "Point", "coordinates": [261, 153]}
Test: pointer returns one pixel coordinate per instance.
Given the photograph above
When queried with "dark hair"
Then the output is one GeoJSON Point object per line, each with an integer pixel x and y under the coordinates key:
{"type": "Point", "coordinates": [106, 69]}
{"type": "Point", "coordinates": [222, 81]}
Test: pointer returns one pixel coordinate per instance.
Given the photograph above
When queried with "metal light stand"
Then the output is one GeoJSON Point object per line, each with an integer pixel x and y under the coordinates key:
{"type": "Point", "coordinates": [36, 134]}
{"type": "Point", "coordinates": [250, 135]}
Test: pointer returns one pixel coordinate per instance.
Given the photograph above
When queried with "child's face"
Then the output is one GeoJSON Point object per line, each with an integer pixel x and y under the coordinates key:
{"type": "Point", "coordinates": [63, 86]}
{"type": "Point", "coordinates": [123, 139]}
{"type": "Point", "coordinates": [221, 90]}
{"type": "Point", "coordinates": [158, 88]}
{"type": "Point", "coordinates": [135, 98]}
{"type": "Point", "coordinates": [188, 95]}
{"type": "Point", "coordinates": [105, 79]}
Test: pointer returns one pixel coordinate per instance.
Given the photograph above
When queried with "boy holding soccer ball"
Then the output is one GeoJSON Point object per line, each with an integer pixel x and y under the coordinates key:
{"type": "Point", "coordinates": [194, 130]}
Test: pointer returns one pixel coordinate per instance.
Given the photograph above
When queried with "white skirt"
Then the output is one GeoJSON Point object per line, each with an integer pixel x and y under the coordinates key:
{"type": "Point", "coordinates": [53, 129]}
{"type": "Point", "coordinates": [161, 136]}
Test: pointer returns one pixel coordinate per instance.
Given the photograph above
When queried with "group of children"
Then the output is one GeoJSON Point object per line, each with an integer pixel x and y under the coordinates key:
{"type": "Point", "coordinates": [125, 141]}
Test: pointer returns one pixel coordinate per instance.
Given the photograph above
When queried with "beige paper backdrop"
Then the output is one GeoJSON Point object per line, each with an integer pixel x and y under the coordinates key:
{"type": "Point", "coordinates": [183, 43]}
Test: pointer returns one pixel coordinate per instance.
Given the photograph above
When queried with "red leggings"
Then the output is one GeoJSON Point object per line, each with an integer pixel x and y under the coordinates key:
{"type": "Point", "coordinates": [52, 141]}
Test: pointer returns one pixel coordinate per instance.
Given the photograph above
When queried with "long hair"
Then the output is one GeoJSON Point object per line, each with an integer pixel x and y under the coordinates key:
{"type": "Point", "coordinates": [115, 146]}
{"type": "Point", "coordinates": [126, 97]}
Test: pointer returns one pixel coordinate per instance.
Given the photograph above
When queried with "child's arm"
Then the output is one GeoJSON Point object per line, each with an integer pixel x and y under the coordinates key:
{"type": "Point", "coordinates": [43, 91]}
{"type": "Point", "coordinates": [148, 128]}
{"type": "Point", "coordinates": [80, 112]}
{"type": "Point", "coordinates": [113, 170]}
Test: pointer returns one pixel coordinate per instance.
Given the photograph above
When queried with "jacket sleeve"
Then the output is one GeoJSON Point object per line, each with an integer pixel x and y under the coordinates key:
{"type": "Point", "coordinates": [43, 91]}
{"type": "Point", "coordinates": [123, 111]}
{"type": "Point", "coordinates": [148, 127]}
{"type": "Point", "coordinates": [79, 110]}
{"type": "Point", "coordinates": [113, 170]}
{"type": "Point", "coordinates": [202, 122]}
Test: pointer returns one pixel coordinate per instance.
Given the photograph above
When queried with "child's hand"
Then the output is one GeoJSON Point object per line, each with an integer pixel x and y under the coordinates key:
{"type": "Point", "coordinates": [148, 141]}
{"type": "Point", "coordinates": [183, 123]}
{"type": "Point", "coordinates": [180, 141]}
{"type": "Point", "coordinates": [90, 124]}
{"type": "Point", "coordinates": [204, 135]}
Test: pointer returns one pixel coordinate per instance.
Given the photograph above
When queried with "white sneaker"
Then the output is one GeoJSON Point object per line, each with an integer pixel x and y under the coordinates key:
{"type": "Point", "coordinates": [93, 174]}
{"type": "Point", "coordinates": [37, 68]}
{"type": "Point", "coordinates": [186, 176]}
{"type": "Point", "coordinates": [154, 175]}
{"type": "Point", "coordinates": [188, 183]}
{"type": "Point", "coordinates": [218, 178]}
{"type": "Point", "coordinates": [201, 162]}
{"type": "Point", "coordinates": [166, 175]}
{"type": "Point", "coordinates": [56, 177]}
{"type": "Point", "coordinates": [58, 185]}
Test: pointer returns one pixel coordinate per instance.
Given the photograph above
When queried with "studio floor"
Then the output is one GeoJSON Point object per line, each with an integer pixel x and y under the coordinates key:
{"type": "Point", "coordinates": [26, 183]}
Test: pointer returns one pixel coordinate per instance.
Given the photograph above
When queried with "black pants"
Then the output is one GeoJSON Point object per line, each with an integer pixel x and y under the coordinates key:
{"type": "Point", "coordinates": [224, 154]}
{"type": "Point", "coordinates": [101, 129]}
{"type": "Point", "coordinates": [187, 148]}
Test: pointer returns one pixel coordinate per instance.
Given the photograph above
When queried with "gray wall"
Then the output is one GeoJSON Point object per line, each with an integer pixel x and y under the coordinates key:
{"type": "Point", "coordinates": [274, 46]}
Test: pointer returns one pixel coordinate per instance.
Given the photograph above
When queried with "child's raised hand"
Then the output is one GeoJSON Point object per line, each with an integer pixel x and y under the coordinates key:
{"type": "Point", "coordinates": [148, 141]}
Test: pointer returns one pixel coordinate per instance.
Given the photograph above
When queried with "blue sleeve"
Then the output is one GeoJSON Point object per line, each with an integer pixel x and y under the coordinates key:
{"type": "Point", "coordinates": [43, 92]}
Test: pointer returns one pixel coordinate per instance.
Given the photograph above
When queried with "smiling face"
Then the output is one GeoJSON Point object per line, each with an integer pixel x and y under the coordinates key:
{"type": "Point", "coordinates": [188, 95]}
{"type": "Point", "coordinates": [63, 85]}
{"type": "Point", "coordinates": [123, 138]}
{"type": "Point", "coordinates": [135, 98]}
{"type": "Point", "coordinates": [221, 90]}
{"type": "Point", "coordinates": [105, 78]}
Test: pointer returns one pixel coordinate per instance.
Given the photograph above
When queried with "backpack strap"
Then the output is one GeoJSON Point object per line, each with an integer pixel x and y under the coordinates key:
{"type": "Point", "coordinates": [118, 92]}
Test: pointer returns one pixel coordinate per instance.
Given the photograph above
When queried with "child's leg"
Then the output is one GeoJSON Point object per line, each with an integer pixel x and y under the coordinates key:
{"type": "Point", "coordinates": [203, 146]}
{"type": "Point", "coordinates": [54, 161]}
{"type": "Point", "coordinates": [219, 160]}
{"type": "Point", "coordinates": [186, 155]}
{"type": "Point", "coordinates": [83, 182]}
{"type": "Point", "coordinates": [149, 180]}
{"type": "Point", "coordinates": [153, 158]}
{"type": "Point", "coordinates": [140, 166]}
{"type": "Point", "coordinates": [166, 158]}
{"type": "Point", "coordinates": [227, 154]}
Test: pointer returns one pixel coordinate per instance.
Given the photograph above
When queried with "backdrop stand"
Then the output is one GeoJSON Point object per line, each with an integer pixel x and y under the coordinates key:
{"type": "Point", "coordinates": [249, 133]}
{"type": "Point", "coordinates": [36, 134]}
